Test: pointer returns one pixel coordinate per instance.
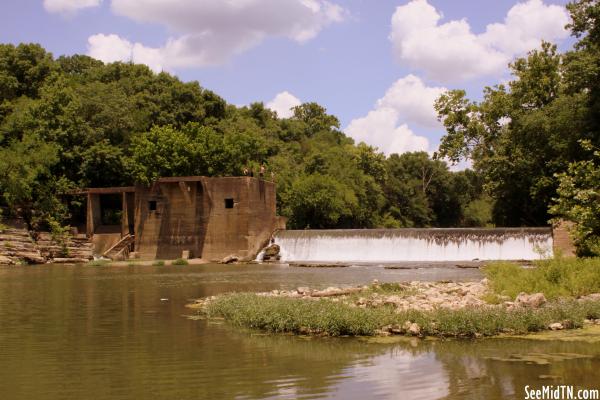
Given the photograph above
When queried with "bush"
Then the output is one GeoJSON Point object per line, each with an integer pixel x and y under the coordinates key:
{"type": "Point", "coordinates": [158, 263]}
{"type": "Point", "coordinates": [554, 277]}
{"type": "Point", "coordinates": [180, 261]}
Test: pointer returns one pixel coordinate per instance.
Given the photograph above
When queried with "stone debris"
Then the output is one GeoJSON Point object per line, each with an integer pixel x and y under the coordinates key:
{"type": "Point", "coordinates": [230, 259]}
{"type": "Point", "coordinates": [556, 326]}
{"type": "Point", "coordinates": [535, 300]}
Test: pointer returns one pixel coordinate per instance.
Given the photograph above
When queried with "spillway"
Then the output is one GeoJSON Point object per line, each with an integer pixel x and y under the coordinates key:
{"type": "Point", "coordinates": [398, 245]}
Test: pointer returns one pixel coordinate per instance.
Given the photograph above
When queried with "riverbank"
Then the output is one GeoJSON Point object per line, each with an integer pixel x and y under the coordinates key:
{"type": "Point", "coordinates": [18, 246]}
{"type": "Point", "coordinates": [447, 309]}
{"type": "Point", "coordinates": [416, 308]}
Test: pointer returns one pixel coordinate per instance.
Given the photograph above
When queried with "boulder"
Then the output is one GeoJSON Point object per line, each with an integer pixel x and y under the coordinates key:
{"type": "Point", "coordinates": [5, 260]}
{"type": "Point", "coordinates": [535, 300]}
{"type": "Point", "coordinates": [229, 259]}
{"type": "Point", "coordinates": [272, 251]}
{"type": "Point", "coordinates": [556, 326]}
{"type": "Point", "coordinates": [414, 329]}
{"type": "Point", "coordinates": [303, 290]}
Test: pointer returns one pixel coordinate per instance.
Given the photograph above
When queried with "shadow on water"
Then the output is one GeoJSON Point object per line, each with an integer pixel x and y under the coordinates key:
{"type": "Point", "coordinates": [122, 333]}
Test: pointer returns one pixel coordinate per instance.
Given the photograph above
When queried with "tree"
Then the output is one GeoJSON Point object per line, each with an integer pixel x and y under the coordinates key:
{"type": "Point", "coordinates": [318, 201]}
{"type": "Point", "coordinates": [578, 201]}
{"type": "Point", "coordinates": [520, 137]}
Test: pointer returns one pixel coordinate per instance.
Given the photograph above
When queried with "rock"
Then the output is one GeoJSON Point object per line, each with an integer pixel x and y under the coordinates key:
{"type": "Point", "coordinates": [303, 290]}
{"type": "Point", "coordinates": [556, 326]}
{"type": "Point", "coordinates": [591, 297]}
{"type": "Point", "coordinates": [229, 259]}
{"type": "Point", "coordinates": [535, 300]}
{"type": "Point", "coordinates": [414, 329]}
{"type": "Point", "coordinates": [272, 251]}
{"type": "Point", "coordinates": [397, 329]}
{"type": "Point", "coordinates": [5, 260]}
{"type": "Point", "coordinates": [381, 332]}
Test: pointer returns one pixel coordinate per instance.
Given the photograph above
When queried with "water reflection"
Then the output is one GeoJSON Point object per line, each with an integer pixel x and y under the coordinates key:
{"type": "Point", "coordinates": [83, 332]}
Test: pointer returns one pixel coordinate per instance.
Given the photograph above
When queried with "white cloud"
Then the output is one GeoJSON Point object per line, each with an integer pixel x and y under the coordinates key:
{"type": "Point", "coordinates": [283, 104]}
{"type": "Point", "coordinates": [407, 101]}
{"type": "Point", "coordinates": [211, 32]}
{"type": "Point", "coordinates": [450, 51]}
{"type": "Point", "coordinates": [69, 6]}
{"type": "Point", "coordinates": [413, 101]}
{"type": "Point", "coordinates": [380, 129]}
{"type": "Point", "coordinates": [109, 48]}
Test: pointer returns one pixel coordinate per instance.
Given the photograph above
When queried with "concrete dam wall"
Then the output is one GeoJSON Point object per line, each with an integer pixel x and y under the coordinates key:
{"type": "Point", "coordinates": [398, 245]}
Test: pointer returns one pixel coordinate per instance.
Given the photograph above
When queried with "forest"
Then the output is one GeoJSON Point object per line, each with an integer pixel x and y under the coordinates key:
{"type": "Point", "coordinates": [73, 122]}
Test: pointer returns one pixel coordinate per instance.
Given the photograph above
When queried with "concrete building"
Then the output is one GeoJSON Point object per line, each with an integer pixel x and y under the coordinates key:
{"type": "Point", "coordinates": [194, 216]}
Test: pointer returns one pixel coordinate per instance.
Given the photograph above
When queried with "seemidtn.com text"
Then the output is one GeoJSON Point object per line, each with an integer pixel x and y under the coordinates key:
{"type": "Point", "coordinates": [560, 392]}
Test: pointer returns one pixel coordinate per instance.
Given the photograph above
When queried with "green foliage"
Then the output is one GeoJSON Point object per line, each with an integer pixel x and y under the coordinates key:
{"type": "Point", "coordinates": [60, 235]}
{"type": "Point", "coordinates": [180, 261]}
{"type": "Point", "coordinates": [554, 277]}
{"type": "Point", "coordinates": [325, 317]}
{"type": "Point", "coordinates": [298, 316]}
{"type": "Point", "coordinates": [75, 122]}
{"type": "Point", "coordinates": [523, 138]}
{"type": "Point", "coordinates": [158, 263]}
{"type": "Point", "coordinates": [479, 212]}
{"type": "Point", "coordinates": [579, 201]}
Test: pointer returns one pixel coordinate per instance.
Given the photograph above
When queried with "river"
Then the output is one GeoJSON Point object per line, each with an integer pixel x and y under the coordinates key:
{"type": "Point", "coordinates": [82, 332]}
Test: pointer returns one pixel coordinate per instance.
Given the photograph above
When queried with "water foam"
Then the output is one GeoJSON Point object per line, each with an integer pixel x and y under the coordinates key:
{"type": "Point", "coordinates": [397, 245]}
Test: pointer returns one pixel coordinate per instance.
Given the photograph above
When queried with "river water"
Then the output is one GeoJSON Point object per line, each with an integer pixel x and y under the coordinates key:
{"type": "Point", "coordinates": [80, 332]}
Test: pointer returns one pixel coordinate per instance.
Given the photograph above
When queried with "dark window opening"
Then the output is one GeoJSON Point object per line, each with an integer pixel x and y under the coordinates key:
{"type": "Point", "coordinates": [111, 209]}
{"type": "Point", "coordinates": [228, 203]}
{"type": "Point", "coordinates": [152, 205]}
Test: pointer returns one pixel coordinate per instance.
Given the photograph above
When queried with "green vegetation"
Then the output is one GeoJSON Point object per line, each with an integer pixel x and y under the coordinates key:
{"type": "Point", "coordinates": [555, 278]}
{"type": "Point", "coordinates": [180, 261]}
{"type": "Point", "coordinates": [326, 317]}
{"type": "Point", "coordinates": [74, 122]}
{"type": "Point", "coordinates": [534, 141]}
{"type": "Point", "coordinates": [158, 263]}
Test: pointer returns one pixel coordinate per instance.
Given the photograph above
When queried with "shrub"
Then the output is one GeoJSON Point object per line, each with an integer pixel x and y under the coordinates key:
{"type": "Point", "coordinates": [158, 263]}
{"type": "Point", "coordinates": [180, 261]}
{"type": "Point", "coordinates": [558, 277]}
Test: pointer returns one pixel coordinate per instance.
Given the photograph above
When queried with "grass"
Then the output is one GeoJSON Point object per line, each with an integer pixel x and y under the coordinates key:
{"type": "Point", "coordinates": [556, 278]}
{"type": "Point", "coordinates": [180, 261]}
{"type": "Point", "coordinates": [326, 317]}
{"type": "Point", "coordinates": [158, 263]}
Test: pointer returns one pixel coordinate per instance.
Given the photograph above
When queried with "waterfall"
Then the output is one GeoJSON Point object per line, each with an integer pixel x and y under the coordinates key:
{"type": "Point", "coordinates": [397, 245]}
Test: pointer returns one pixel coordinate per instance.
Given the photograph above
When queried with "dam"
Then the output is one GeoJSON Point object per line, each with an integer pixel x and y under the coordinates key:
{"type": "Point", "coordinates": [426, 244]}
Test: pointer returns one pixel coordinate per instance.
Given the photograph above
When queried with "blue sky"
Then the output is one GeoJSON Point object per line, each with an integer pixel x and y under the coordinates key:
{"type": "Point", "coordinates": [345, 55]}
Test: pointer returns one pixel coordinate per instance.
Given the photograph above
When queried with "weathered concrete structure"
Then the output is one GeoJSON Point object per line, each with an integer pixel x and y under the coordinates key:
{"type": "Point", "coordinates": [194, 216]}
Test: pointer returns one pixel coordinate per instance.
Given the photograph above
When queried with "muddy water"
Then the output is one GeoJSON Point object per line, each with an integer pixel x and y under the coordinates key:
{"type": "Point", "coordinates": [122, 333]}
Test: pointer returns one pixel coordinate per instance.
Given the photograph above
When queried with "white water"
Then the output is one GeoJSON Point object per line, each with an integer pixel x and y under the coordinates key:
{"type": "Point", "coordinates": [397, 245]}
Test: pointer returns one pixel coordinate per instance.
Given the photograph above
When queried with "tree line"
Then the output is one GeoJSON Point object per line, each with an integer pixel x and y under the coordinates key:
{"type": "Point", "coordinates": [74, 122]}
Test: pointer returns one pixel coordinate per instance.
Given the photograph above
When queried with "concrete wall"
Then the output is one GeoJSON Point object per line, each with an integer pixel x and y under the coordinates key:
{"type": "Point", "coordinates": [563, 243]}
{"type": "Point", "coordinates": [191, 214]}
{"type": "Point", "coordinates": [244, 229]}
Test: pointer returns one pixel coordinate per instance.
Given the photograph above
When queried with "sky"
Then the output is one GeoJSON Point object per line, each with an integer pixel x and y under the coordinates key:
{"type": "Point", "coordinates": [378, 65]}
